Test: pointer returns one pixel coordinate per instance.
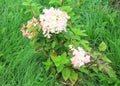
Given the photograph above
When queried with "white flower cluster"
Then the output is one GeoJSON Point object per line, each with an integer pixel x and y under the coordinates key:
{"type": "Point", "coordinates": [53, 21]}
{"type": "Point", "coordinates": [80, 57]}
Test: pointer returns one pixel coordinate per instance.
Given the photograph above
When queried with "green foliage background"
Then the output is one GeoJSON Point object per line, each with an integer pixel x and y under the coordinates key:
{"type": "Point", "coordinates": [20, 66]}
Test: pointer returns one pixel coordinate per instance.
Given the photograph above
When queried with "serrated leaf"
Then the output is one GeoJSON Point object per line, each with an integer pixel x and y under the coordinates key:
{"type": "Point", "coordinates": [66, 73]}
{"type": "Point", "coordinates": [102, 46]}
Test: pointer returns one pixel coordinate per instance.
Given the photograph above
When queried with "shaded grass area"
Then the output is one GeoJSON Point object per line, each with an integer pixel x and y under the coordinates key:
{"type": "Point", "coordinates": [20, 66]}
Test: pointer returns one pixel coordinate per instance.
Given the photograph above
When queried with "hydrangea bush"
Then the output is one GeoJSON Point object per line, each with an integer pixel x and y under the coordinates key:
{"type": "Point", "coordinates": [63, 44]}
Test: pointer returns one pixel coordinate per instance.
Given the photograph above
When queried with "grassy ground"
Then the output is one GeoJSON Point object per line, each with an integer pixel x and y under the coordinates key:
{"type": "Point", "coordinates": [20, 66]}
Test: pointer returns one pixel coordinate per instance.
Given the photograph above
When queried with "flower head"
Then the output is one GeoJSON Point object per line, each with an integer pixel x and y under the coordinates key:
{"type": "Point", "coordinates": [53, 21]}
{"type": "Point", "coordinates": [80, 57]}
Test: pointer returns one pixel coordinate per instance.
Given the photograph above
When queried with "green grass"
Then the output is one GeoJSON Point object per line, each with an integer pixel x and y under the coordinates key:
{"type": "Point", "coordinates": [102, 23]}
{"type": "Point", "coordinates": [20, 66]}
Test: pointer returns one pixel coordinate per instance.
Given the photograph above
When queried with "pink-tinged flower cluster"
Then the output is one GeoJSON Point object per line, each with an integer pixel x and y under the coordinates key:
{"type": "Point", "coordinates": [53, 21]}
{"type": "Point", "coordinates": [80, 57]}
{"type": "Point", "coordinates": [27, 29]}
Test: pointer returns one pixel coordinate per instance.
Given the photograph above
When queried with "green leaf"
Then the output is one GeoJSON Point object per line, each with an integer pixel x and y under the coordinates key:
{"type": "Point", "coordinates": [64, 55]}
{"type": "Point", "coordinates": [106, 59]}
{"type": "Point", "coordinates": [68, 35]}
{"type": "Point", "coordinates": [84, 70]}
{"type": "Point", "coordinates": [66, 8]}
{"type": "Point", "coordinates": [85, 44]}
{"type": "Point", "coordinates": [66, 73]}
{"type": "Point", "coordinates": [60, 68]}
{"type": "Point", "coordinates": [95, 69]}
{"type": "Point", "coordinates": [47, 64]}
{"type": "Point", "coordinates": [1, 54]}
{"type": "Point", "coordinates": [64, 59]}
{"type": "Point", "coordinates": [84, 41]}
{"type": "Point", "coordinates": [66, 44]}
{"type": "Point", "coordinates": [101, 66]}
{"type": "Point", "coordinates": [60, 60]}
{"type": "Point", "coordinates": [83, 33]}
{"type": "Point", "coordinates": [110, 72]}
{"type": "Point", "coordinates": [53, 44]}
{"type": "Point", "coordinates": [73, 77]}
{"type": "Point", "coordinates": [79, 32]}
{"type": "Point", "coordinates": [96, 54]}
{"type": "Point", "coordinates": [57, 60]}
{"type": "Point", "coordinates": [58, 2]}
{"type": "Point", "coordinates": [76, 31]}
{"type": "Point", "coordinates": [25, 4]}
{"type": "Point", "coordinates": [102, 46]}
